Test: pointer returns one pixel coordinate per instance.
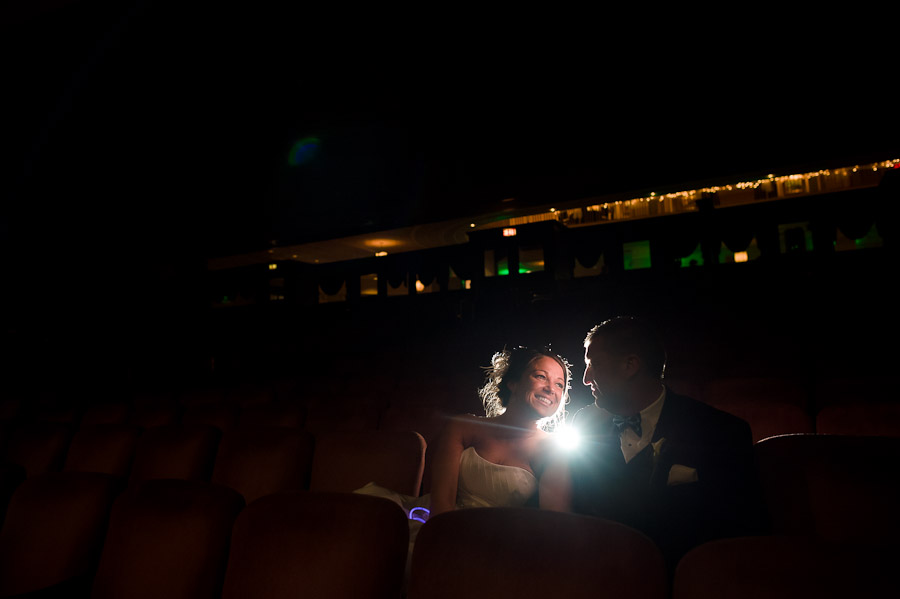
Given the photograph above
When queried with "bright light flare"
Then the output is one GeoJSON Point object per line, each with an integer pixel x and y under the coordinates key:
{"type": "Point", "coordinates": [567, 437]}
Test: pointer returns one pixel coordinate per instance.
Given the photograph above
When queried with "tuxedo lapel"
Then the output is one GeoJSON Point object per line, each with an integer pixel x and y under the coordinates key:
{"type": "Point", "coordinates": [668, 417]}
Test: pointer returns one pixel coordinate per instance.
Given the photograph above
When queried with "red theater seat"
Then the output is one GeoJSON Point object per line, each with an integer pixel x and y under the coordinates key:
{"type": "Point", "coordinates": [337, 416]}
{"type": "Point", "coordinates": [784, 567]}
{"type": "Point", "coordinates": [184, 451]}
{"type": "Point", "coordinates": [832, 487]}
{"type": "Point", "coordinates": [259, 460]}
{"type": "Point", "coordinates": [53, 532]}
{"type": "Point", "coordinates": [39, 447]}
{"type": "Point", "coordinates": [167, 538]}
{"type": "Point", "coordinates": [345, 461]}
{"type": "Point", "coordinates": [107, 448]}
{"type": "Point", "coordinates": [864, 419]}
{"type": "Point", "coordinates": [223, 416]}
{"type": "Point", "coordinates": [106, 413]}
{"type": "Point", "coordinates": [276, 413]}
{"type": "Point", "coordinates": [770, 405]}
{"type": "Point", "coordinates": [722, 390]}
{"type": "Point", "coordinates": [11, 476]}
{"type": "Point", "coordinates": [309, 544]}
{"type": "Point", "coordinates": [149, 411]}
{"type": "Point", "coordinates": [485, 553]}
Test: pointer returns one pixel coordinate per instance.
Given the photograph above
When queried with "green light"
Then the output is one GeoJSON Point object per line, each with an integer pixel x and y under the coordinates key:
{"type": "Point", "coordinates": [303, 151]}
{"type": "Point", "coordinates": [504, 271]}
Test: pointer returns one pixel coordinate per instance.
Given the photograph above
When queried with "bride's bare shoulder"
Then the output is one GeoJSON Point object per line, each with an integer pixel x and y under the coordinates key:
{"type": "Point", "coordinates": [461, 424]}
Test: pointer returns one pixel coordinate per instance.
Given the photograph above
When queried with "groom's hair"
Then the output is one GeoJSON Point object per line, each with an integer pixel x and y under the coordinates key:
{"type": "Point", "coordinates": [631, 335]}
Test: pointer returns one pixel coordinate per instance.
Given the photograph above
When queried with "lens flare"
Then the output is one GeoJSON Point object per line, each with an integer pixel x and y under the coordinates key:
{"type": "Point", "coordinates": [567, 437]}
{"type": "Point", "coordinates": [303, 151]}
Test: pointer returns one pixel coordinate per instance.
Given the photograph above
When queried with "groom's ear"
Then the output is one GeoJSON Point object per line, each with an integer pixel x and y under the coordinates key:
{"type": "Point", "coordinates": [631, 365]}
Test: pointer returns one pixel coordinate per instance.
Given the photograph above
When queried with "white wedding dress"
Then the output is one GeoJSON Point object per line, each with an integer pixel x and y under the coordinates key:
{"type": "Point", "coordinates": [481, 484]}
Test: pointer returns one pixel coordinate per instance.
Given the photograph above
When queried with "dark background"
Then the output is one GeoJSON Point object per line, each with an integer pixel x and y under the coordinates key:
{"type": "Point", "coordinates": [143, 138]}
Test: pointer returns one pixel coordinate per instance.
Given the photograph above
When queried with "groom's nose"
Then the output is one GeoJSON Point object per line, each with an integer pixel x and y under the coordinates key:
{"type": "Point", "coordinates": [588, 376]}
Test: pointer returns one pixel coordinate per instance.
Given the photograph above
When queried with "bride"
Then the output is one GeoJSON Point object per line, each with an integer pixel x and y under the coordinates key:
{"type": "Point", "coordinates": [497, 460]}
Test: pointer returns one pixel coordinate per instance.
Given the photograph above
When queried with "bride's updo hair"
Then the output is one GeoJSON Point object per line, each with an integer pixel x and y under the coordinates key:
{"type": "Point", "coordinates": [510, 365]}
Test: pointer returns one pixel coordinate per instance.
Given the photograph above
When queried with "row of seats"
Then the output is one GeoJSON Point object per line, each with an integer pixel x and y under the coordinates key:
{"type": "Point", "coordinates": [772, 406]}
{"type": "Point", "coordinates": [254, 460]}
{"type": "Point", "coordinates": [832, 501]}
{"type": "Point", "coordinates": [784, 405]}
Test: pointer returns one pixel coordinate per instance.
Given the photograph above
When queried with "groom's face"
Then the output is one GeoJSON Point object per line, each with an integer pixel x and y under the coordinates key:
{"type": "Point", "coordinates": [604, 374]}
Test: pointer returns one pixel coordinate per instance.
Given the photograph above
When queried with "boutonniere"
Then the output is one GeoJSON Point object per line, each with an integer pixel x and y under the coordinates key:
{"type": "Point", "coordinates": [657, 452]}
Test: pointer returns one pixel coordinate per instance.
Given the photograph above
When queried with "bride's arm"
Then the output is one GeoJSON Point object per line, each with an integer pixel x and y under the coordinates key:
{"type": "Point", "coordinates": [555, 483]}
{"type": "Point", "coordinates": [445, 466]}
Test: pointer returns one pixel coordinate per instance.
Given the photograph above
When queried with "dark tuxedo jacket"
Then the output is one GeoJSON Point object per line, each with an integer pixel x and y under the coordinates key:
{"type": "Point", "coordinates": [723, 501]}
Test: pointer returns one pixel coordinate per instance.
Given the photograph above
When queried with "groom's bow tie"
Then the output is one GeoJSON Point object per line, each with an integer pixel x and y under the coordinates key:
{"type": "Point", "coordinates": [620, 422]}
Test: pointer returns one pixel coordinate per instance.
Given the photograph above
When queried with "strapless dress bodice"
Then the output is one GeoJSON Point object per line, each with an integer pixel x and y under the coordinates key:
{"type": "Point", "coordinates": [485, 484]}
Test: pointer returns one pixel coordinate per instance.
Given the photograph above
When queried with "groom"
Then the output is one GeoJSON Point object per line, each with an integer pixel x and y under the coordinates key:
{"type": "Point", "coordinates": [679, 470]}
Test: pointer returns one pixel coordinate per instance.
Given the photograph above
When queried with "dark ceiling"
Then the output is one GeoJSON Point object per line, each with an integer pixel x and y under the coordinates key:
{"type": "Point", "coordinates": [165, 128]}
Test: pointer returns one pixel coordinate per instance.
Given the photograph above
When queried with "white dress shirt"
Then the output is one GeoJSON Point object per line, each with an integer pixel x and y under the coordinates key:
{"type": "Point", "coordinates": [630, 442]}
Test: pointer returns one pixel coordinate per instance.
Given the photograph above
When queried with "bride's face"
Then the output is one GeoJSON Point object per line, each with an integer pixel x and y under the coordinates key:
{"type": "Point", "coordinates": [541, 387]}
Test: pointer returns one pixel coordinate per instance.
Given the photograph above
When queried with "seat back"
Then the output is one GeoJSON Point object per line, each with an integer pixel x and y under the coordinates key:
{"type": "Point", "coordinates": [113, 412]}
{"type": "Point", "coordinates": [259, 460]}
{"type": "Point", "coordinates": [524, 552]}
{"type": "Point", "coordinates": [107, 448]}
{"type": "Point", "coordinates": [223, 416]}
{"type": "Point", "coordinates": [53, 530]}
{"type": "Point", "coordinates": [275, 413]}
{"type": "Point", "coordinates": [770, 405]}
{"type": "Point", "coordinates": [862, 419]}
{"type": "Point", "coordinates": [39, 447]}
{"type": "Point", "coordinates": [784, 567]}
{"type": "Point", "coordinates": [344, 461]}
{"type": "Point", "coordinates": [834, 487]}
{"type": "Point", "coordinates": [309, 544]}
{"type": "Point", "coordinates": [167, 538]}
{"type": "Point", "coordinates": [152, 410]}
{"type": "Point", "coordinates": [184, 451]}
{"type": "Point", "coordinates": [11, 476]}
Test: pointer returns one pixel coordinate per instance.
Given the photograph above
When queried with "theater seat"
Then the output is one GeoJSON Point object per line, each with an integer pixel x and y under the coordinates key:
{"type": "Point", "coordinates": [770, 405]}
{"type": "Point", "coordinates": [310, 544]}
{"type": "Point", "coordinates": [275, 413]}
{"type": "Point", "coordinates": [223, 416]}
{"type": "Point", "coordinates": [259, 460]}
{"type": "Point", "coordinates": [836, 488]}
{"type": "Point", "coordinates": [865, 419]}
{"type": "Point", "coordinates": [344, 461]}
{"type": "Point", "coordinates": [184, 451]}
{"type": "Point", "coordinates": [784, 567]}
{"type": "Point", "coordinates": [53, 532]}
{"type": "Point", "coordinates": [107, 448]}
{"type": "Point", "coordinates": [11, 476]}
{"type": "Point", "coordinates": [770, 418]}
{"type": "Point", "coordinates": [152, 410]}
{"type": "Point", "coordinates": [335, 416]}
{"type": "Point", "coordinates": [485, 553]}
{"type": "Point", "coordinates": [752, 389]}
{"type": "Point", "coordinates": [424, 418]}
{"type": "Point", "coordinates": [167, 538]}
{"type": "Point", "coordinates": [39, 447]}
{"type": "Point", "coordinates": [106, 413]}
